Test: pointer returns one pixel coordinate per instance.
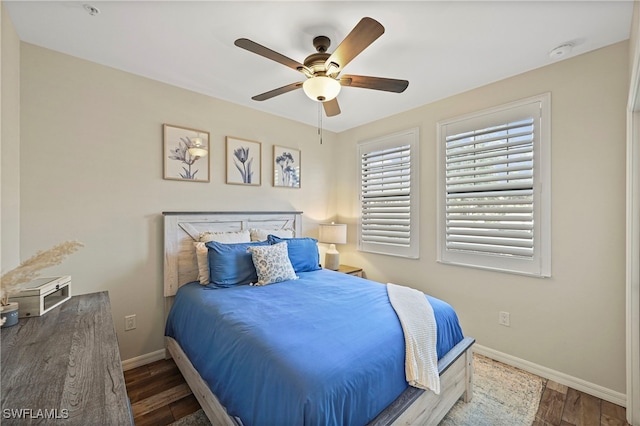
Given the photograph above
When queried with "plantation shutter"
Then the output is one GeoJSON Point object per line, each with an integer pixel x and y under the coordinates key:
{"type": "Point", "coordinates": [388, 188]}
{"type": "Point", "coordinates": [492, 207]}
{"type": "Point", "coordinates": [489, 184]}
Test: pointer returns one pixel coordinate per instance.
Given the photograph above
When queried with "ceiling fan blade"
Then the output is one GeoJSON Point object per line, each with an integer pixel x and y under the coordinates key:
{"type": "Point", "coordinates": [362, 35]}
{"type": "Point", "coordinates": [375, 83]}
{"type": "Point", "coordinates": [259, 49]}
{"type": "Point", "coordinates": [279, 91]}
{"type": "Point", "coordinates": [331, 108]}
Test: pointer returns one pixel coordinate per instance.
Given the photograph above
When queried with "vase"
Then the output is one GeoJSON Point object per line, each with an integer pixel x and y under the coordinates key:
{"type": "Point", "coordinates": [9, 314]}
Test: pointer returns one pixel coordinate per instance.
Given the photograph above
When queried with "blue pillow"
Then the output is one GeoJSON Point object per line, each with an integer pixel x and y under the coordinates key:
{"type": "Point", "coordinates": [231, 264]}
{"type": "Point", "coordinates": [303, 252]}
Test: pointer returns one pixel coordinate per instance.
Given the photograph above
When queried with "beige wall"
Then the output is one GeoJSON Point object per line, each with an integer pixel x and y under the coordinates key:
{"type": "Point", "coordinates": [91, 170]}
{"type": "Point", "coordinates": [10, 144]}
{"type": "Point", "coordinates": [573, 322]}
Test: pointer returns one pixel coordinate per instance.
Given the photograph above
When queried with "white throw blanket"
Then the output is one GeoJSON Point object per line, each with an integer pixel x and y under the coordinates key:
{"type": "Point", "coordinates": [420, 335]}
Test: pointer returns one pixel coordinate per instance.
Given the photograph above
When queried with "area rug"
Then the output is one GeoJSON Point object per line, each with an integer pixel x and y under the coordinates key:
{"type": "Point", "coordinates": [196, 419]}
{"type": "Point", "coordinates": [502, 396]}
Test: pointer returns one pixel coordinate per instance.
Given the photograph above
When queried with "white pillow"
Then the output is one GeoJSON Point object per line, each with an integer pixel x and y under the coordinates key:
{"type": "Point", "coordinates": [202, 257]}
{"type": "Point", "coordinates": [225, 237]}
{"type": "Point", "coordinates": [202, 253]}
{"type": "Point", "coordinates": [272, 263]}
{"type": "Point", "coordinates": [261, 234]}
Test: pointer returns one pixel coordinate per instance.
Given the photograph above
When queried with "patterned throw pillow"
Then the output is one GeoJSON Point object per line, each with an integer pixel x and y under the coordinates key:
{"type": "Point", "coordinates": [272, 263]}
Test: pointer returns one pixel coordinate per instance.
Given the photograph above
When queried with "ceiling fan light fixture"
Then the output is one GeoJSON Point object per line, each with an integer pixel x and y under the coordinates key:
{"type": "Point", "coordinates": [321, 88]}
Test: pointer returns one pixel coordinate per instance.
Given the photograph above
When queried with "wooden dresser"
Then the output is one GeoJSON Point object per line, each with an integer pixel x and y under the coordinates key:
{"type": "Point", "coordinates": [64, 368]}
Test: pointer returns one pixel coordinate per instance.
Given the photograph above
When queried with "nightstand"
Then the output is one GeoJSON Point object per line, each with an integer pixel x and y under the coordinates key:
{"type": "Point", "coordinates": [351, 270]}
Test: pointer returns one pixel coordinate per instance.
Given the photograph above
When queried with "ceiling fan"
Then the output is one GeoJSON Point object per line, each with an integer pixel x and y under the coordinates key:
{"type": "Point", "coordinates": [322, 69]}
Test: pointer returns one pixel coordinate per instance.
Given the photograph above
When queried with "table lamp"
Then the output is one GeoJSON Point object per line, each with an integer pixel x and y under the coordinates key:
{"type": "Point", "coordinates": [332, 234]}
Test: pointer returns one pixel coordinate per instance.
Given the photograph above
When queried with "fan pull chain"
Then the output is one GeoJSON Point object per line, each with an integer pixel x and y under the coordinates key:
{"type": "Point", "coordinates": [320, 122]}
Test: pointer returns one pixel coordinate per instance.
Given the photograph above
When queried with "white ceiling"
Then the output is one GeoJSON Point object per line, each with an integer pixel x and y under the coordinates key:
{"type": "Point", "coordinates": [442, 48]}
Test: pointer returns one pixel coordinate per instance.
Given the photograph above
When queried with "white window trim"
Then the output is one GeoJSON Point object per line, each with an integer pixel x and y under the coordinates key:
{"type": "Point", "coordinates": [540, 266]}
{"type": "Point", "coordinates": [406, 137]}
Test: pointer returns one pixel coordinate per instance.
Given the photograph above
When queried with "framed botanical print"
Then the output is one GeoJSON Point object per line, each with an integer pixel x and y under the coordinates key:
{"type": "Point", "coordinates": [244, 161]}
{"type": "Point", "coordinates": [186, 154]}
{"type": "Point", "coordinates": [286, 167]}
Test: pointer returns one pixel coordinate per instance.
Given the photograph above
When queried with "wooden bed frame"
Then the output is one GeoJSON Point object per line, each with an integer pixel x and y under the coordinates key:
{"type": "Point", "coordinates": [181, 229]}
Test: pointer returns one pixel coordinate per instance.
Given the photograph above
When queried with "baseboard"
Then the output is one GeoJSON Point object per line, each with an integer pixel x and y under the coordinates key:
{"type": "Point", "coordinates": [141, 360]}
{"type": "Point", "coordinates": [562, 378]}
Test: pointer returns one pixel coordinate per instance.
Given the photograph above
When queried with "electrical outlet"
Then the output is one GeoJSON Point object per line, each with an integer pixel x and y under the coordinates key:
{"type": "Point", "coordinates": [129, 322]}
{"type": "Point", "coordinates": [503, 319]}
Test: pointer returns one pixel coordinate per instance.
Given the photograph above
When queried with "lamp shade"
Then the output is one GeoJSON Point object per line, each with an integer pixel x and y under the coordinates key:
{"type": "Point", "coordinates": [321, 88]}
{"type": "Point", "coordinates": [333, 233]}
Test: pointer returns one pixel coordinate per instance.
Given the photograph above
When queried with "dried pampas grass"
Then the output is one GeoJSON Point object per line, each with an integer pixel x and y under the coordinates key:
{"type": "Point", "coordinates": [30, 268]}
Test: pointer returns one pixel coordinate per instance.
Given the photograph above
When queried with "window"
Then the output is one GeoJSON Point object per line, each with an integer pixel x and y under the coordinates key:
{"type": "Point", "coordinates": [389, 194]}
{"type": "Point", "coordinates": [494, 201]}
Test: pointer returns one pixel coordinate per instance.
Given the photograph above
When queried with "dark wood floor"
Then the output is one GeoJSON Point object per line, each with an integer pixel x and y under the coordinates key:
{"type": "Point", "coordinates": [158, 393]}
{"type": "Point", "coordinates": [159, 396]}
{"type": "Point", "coordinates": [564, 406]}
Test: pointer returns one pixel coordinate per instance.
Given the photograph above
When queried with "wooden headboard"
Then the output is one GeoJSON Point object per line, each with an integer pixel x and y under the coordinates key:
{"type": "Point", "coordinates": [181, 230]}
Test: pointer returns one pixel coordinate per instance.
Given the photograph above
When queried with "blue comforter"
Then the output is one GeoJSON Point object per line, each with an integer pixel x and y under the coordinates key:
{"type": "Point", "coordinates": [326, 349]}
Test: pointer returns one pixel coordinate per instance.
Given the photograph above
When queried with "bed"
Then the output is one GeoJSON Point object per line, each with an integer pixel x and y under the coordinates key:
{"type": "Point", "coordinates": [302, 378]}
